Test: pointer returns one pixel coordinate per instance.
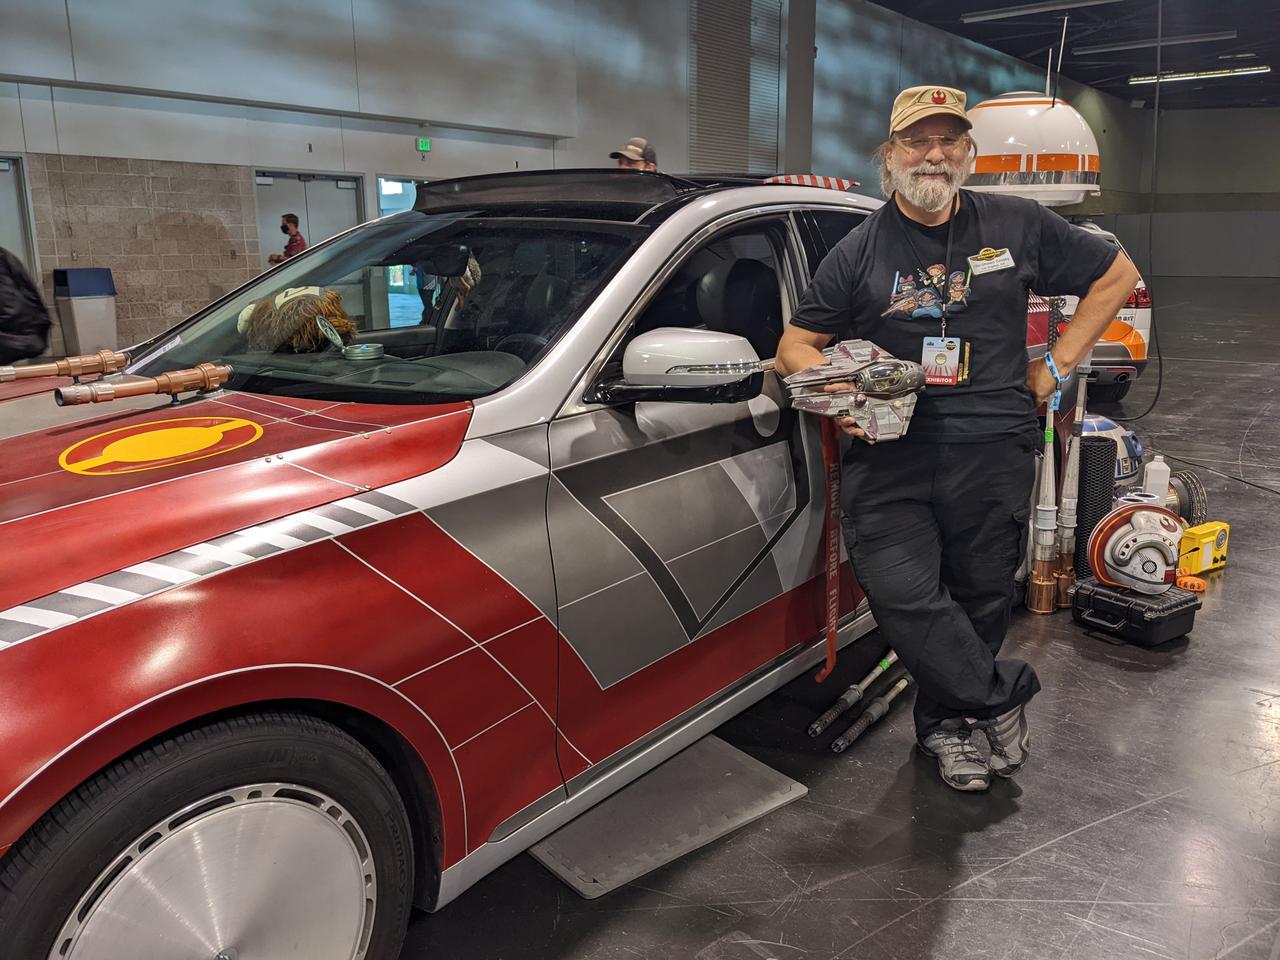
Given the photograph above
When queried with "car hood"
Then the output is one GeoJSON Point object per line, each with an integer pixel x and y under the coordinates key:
{"type": "Point", "coordinates": [88, 490]}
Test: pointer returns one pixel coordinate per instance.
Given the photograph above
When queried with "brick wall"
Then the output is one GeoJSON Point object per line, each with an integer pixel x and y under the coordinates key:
{"type": "Point", "coordinates": [175, 235]}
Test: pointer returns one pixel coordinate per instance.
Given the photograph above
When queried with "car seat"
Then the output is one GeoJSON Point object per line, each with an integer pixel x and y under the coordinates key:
{"type": "Point", "coordinates": [742, 297]}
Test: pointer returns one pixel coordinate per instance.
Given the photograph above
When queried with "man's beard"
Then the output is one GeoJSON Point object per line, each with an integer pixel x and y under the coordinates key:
{"type": "Point", "coordinates": [927, 194]}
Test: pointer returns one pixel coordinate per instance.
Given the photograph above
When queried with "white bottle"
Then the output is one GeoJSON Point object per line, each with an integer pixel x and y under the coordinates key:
{"type": "Point", "coordinates": [1155, 479]}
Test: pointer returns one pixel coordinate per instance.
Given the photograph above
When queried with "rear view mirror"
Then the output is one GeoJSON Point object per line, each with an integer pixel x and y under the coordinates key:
{"type": "Point", "coordinates": [682, 364]}
{"type": "Point", "coordinates": [445, 260]}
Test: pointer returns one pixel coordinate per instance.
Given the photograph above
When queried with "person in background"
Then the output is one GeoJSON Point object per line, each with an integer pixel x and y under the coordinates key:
{"type": "Point", "coordinates": [636, 154]}
{"type": "Point", "coordinates": [24, 320]}
{"type": "Point", "coordinates": [296, 242]}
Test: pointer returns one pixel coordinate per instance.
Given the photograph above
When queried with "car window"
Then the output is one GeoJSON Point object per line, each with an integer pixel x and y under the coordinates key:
{"type": "Point", "coordinates": [731, 284]}
{"type": "Point", "coordinates": [413, 309]}
{"type": "Point", "coordinates": [833, 225]}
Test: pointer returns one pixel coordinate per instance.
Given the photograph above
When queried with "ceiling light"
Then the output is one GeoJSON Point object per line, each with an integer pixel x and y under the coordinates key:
{"type": "Point", "coordinates": [1200, 75]}
{"type": "Point", "coordinates": [1166, 42]}
{"type": "Point", "coordinates": [1237, 56]}
{"type": "Point", "coordinates": [980, 16]}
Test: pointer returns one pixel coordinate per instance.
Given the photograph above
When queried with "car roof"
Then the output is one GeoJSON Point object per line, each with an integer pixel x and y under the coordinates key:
{"type": "Point", "coordinates": [627, 196]}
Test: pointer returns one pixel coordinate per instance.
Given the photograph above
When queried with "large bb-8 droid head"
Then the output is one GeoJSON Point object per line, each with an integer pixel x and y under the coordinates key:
{"type": "Point", "coordinates": [1030, 145]}
{"type": "Point", "coordinates": [1136, 546]}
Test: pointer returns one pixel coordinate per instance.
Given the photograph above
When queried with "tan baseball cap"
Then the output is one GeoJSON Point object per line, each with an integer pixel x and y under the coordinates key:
{"type": "Point", "coordinates": [916, 103]}
{"type": "Point", "coordinates": [637, 148]}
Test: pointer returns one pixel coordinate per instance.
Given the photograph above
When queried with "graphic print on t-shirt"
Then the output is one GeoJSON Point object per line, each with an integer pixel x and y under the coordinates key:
{"type": "Point", "coordinates": [925, 292]}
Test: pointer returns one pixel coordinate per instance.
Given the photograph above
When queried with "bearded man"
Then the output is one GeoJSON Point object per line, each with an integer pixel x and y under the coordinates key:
{"type": "Point", "coordinates": [935, 523]}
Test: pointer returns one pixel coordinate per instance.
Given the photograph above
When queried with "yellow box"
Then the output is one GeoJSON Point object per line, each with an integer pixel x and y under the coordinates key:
{"type": "Point", "coordinates": [1204, 547]}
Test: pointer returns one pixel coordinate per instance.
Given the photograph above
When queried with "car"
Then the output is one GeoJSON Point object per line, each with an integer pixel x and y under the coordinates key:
{"type": "Point", "coordinates": [426, 554]}
{"type": "Point", "coordinates": [1121, 355]}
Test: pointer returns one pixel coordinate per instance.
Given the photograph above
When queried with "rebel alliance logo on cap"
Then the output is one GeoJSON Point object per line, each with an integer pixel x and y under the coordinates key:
{"type": "Point", "coordinates": [939, 96]}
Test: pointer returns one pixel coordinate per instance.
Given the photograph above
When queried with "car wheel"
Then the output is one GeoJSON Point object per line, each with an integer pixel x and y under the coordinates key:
{"type": "Point", "coordinates": [1109, 392]}
{"type": "Point", "coordinates": [269, 835]}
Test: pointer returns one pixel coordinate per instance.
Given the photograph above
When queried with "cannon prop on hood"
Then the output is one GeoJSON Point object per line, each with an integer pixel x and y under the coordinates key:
{"type": "Point", "coordinates": [876, 389]}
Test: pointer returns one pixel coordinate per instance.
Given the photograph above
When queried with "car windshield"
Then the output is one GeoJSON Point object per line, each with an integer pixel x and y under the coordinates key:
{"type": "Point", "coordinates": [417, 308]}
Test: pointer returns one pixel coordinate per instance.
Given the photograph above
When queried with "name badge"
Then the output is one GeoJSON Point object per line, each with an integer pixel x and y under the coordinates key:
{"type": "Point", "coordinates": [989, 261]}
{"type": "Point", "coordinates": [942, 359]}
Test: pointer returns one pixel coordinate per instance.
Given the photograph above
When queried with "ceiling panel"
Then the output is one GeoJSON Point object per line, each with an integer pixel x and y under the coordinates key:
{"type": "Point", "coordinates": [1029, 37]}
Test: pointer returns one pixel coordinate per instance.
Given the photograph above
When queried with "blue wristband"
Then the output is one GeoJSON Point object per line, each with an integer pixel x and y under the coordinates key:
{"type": "Point", "coordinates": [1056, 400]}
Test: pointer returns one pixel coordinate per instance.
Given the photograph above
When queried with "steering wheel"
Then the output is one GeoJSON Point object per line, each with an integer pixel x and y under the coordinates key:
{"type": "Point", "coordinates": [526, 346]}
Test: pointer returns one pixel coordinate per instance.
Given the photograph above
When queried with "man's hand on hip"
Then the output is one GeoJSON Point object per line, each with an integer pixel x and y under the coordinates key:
{"type": "Point", "coordinates": [1040, 380]}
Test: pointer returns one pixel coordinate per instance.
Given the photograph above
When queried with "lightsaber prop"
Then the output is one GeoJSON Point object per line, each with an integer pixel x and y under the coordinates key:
{"type": "Point", "coordinates": [876, 709]}
{"type": "Point", "coordinates": [850, 698]}
{"type": "Point", "coordinates": [1065, 574]}
{"type": "Point", "coordinates": [103, 362]}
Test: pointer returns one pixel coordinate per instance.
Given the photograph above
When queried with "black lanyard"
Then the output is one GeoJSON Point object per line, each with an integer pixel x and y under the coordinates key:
{"type": "Point", "coordinates": [941, 286]}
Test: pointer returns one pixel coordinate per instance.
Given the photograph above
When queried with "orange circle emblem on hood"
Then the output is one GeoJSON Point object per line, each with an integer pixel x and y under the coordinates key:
{"type": "Point", "coordinates": [159, 443]}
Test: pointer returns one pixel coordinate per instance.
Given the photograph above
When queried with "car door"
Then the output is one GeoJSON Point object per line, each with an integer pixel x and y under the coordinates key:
{"type": "Point", "coordinates": [685, 536]}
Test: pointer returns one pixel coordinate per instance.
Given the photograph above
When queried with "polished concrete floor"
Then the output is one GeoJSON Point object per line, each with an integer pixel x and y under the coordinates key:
{"type": "Point", "coordinates": [1146, 825]}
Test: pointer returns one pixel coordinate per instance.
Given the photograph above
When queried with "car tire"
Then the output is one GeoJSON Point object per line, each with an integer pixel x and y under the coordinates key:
{"type": "Point", "coordinates": [1109, 392]}
{"type": "Point", "coordinates": [274, 832]}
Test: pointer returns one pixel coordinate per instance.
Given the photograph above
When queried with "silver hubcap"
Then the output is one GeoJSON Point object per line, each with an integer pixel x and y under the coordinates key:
{"type": "Point", "coordinates": [260, 872]}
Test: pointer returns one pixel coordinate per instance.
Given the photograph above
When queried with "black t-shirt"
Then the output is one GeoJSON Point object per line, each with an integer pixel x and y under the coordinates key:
{"type": "Point", "coordinates": [873, 286]}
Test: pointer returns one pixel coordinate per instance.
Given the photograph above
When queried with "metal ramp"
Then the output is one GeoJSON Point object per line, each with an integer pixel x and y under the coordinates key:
{"type": "Point", "coordinates": [704, 792]}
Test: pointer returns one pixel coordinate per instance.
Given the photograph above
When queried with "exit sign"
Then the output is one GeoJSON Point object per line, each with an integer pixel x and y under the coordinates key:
{"type": "Point", "coordinates": [424, 144]}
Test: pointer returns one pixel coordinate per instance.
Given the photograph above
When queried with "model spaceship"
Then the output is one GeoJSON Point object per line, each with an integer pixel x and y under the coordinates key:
{"type": "Point", "coordinates": [881, 389]}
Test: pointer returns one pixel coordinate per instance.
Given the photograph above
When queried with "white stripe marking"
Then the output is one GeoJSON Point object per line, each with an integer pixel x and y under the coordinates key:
{"type": "Point", "coordinates": [100, 591]}
{"type": "Point", "coordinates": [213, 552]}
{"type": "Point", "coordinates": [37, 617]}
{"type": "Point", "coordinates": [160, 572]}
{"type": "Point", "coordinates": [324, 523]}
{"type": "Point", "coordinates": [368, 509]}
{"type": "Point", "coordinates": [277, 538]}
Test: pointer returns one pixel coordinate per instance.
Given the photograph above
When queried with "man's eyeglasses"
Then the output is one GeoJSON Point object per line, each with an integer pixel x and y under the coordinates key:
{"type": "Point", "coordinates": [950, 143]}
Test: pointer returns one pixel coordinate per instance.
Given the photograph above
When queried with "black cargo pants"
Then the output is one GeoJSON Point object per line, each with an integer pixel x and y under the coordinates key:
{"type": "Point", "coordinates": [936, 533]}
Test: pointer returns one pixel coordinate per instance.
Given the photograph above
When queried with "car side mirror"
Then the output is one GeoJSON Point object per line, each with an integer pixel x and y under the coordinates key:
{"type": "Point", "coordinates": [678, 364]}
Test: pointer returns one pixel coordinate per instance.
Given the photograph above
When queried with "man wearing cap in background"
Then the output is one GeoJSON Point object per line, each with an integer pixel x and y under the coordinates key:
{"type": "Point", "coordinates": [936, 522]}
{"type": "Point", "coordinates": [636, 154]}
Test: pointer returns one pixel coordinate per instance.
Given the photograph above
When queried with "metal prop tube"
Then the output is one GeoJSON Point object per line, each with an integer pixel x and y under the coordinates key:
{"type": "Point", "coordinates": [1065, 574]}
{"type": "Point", "coordinates": [205, 377]}
{"type": "Point", "coordinates": [104, 361]}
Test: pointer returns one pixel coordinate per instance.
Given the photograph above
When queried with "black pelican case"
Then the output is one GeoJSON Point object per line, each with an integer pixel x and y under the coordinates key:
{"type": "Point", "coordinates": [1135, 617]}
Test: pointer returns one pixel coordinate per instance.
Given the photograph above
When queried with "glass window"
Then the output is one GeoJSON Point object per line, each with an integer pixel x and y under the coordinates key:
{"type": "Point", "coordinates": [416, 309]}
{"type": "Point", "coordinates": [396, 195]}
{"type": "Point", "coordinates": [731, 284]}
{"type": "Point", "coordinates": [825, 228]}
{"type": "Point", "coordinates": [833, 225]}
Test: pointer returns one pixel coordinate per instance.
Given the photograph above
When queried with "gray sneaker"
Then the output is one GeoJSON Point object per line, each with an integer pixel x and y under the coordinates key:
{"type": "Point", "coordinates": [960, 763]}
{"type": "Point", "coordinates": [1010, 740]}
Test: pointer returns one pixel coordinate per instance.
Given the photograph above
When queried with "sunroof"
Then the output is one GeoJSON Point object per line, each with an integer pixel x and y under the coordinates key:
{"type": "Point", "coordinates": [605, 187]}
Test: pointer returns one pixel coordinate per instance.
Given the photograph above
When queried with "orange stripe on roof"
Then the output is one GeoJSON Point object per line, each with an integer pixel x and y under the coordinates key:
{"type": "Point", "coordinates": [998, 163]}
{"type": "Point", "coordinates": [1016, 103]}
{"type": "Point", "coordinates": [1058, 161]}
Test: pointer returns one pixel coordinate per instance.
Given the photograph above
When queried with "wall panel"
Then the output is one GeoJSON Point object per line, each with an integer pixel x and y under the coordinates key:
{"type": "Point", "coordinates": [286, 51]}
{"type": "Point", "coordinates": [505, 64]}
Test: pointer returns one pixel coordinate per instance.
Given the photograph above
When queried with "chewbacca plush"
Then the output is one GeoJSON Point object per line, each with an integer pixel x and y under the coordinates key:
{"type": "Point", "coordinates": [289, 321]}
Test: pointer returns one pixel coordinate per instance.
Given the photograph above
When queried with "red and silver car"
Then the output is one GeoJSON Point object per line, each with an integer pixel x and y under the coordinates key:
{"type": "Point", "coordinates": [418, 584]}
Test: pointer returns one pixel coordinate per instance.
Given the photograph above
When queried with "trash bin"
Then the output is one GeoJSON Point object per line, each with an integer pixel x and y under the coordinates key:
{"type": "Point", "coordinates": [86, 300]}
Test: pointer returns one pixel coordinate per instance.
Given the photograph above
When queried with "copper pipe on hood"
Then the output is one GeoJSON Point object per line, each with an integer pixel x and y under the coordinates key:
{"type": "Point", "coordinates": [205, 377]}
{"type": "Point", "coordinates": [104, 362]}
